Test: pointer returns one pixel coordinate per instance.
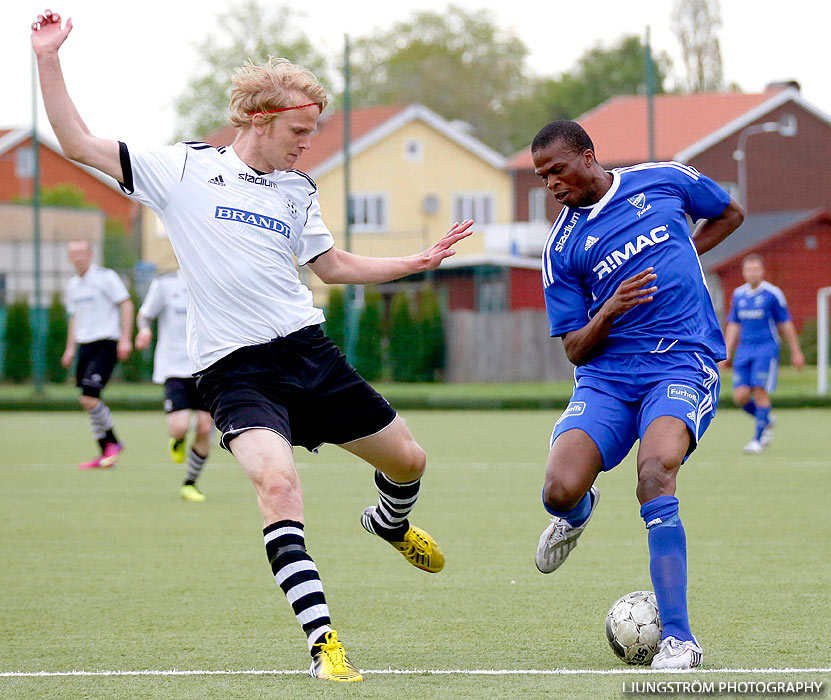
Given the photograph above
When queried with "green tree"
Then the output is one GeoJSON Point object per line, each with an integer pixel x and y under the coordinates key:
{"type": "Point", "coordinates": [136, 368]}
{"type": "Point", "coordinates": [56, 340]}
{"type": "Point", "coordinates": [696, 24]}
{"type": "Point", "coordinates": [403, 339]}
{"type": "Point", "coordinates": [248, 30]}
{"type": "Point", "coordinates": [336, 317]}
{"type": "Point", "coordinates": [461, 64]}
{"type": "Point", "coordinates": [807, 338]}
{"type": "Point", "coordinates": [432, 348]}
{"type": "Point", "coordinates": [369, 347]}
{"type": "Point", "coordinates": [119, 253]}
{"type": "Point", "coordinates": [599, 74]}
{"type": "Point", "coordinates": [61, 195]}
{"type": "Point", "coordinates": [17, 363]}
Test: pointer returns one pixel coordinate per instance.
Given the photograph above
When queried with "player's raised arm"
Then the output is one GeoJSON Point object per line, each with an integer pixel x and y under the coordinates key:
{"type": "Point", "coordinates": [75, 138]}
{"type": "Point", "coordinates": [339, 267]}
{"type": "Point", "coordinates": [713, 231]}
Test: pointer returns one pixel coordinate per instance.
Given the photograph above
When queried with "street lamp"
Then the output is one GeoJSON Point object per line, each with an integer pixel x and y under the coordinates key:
{"type": "Point", "coordinates": [786, 126]}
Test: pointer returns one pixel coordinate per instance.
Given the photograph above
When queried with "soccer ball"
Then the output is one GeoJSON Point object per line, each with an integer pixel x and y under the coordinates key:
{"type": "Point", "coordinates": [633, 627]}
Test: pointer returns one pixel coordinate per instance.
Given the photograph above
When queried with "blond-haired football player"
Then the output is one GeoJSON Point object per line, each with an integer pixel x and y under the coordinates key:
{"type": "Point", "coordinates": [238, 217]}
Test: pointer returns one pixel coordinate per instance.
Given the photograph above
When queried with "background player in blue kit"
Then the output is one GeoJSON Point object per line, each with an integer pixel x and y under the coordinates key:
{"type": "Point", "coordinates": [758, 314]}
{"type": "Point", "coordinates": [625, 290]}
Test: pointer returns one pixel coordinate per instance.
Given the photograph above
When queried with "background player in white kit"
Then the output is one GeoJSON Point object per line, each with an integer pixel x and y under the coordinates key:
{"type": "Point", "coordinates": [167, 301]}
{"type": "Point", "coordinates": [100, 328]}
{"type": "Point", "coordinates": [238, 217]}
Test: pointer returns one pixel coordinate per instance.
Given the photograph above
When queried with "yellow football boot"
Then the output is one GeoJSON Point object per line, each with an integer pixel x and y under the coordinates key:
{"type": "Point", "coordinates": [190, 493]}
{"type": "Point", "coordinates": [330, 662]}
{"type": "Point", "coordinates": [421, 550]}
{"type": "Point", "coordinates": [177, 450]}
{"type": "Point", "coordinates": [418, 547]}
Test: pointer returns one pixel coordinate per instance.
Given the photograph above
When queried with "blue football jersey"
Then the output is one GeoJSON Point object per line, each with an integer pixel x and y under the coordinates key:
{"type": "Point", "coordinates": [639, 223]}
{"type": "Point", "coordinates": [757, 311]}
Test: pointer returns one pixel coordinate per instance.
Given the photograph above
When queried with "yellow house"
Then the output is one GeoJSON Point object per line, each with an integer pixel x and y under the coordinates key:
{"type": "Point", "coordinates": [413, 174]}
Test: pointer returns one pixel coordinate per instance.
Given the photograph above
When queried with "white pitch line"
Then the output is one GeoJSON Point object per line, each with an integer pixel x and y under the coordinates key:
{"type": "Point", "coordinates": [429, 672]}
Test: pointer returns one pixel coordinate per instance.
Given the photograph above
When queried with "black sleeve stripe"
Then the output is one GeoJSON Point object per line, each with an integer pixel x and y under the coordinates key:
{"type": "Point", "coordinates": [197, 145]}
{"type": "Point", "coordinates": [314, 259]}
{"type": "Point", "coordinates": [303, 175]}
{"type": "Point", "coordinates": [184, 165]}
{"type": "Point", "coordinates": [126, 169]}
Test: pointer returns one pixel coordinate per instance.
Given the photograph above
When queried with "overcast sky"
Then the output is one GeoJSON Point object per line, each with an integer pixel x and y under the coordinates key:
{"type": "Point", "coordinates": [126, 62]}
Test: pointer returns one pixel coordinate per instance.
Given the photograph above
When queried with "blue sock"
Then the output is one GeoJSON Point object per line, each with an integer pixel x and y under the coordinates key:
{"type": "Point", "coordinates": [668, 564]}
{"type": "Point", "coordinates": [762, 419]}
{"type": "Point", "coordinates": [577, 515]}
{"type": "Point", "coordinates": [750, 407]}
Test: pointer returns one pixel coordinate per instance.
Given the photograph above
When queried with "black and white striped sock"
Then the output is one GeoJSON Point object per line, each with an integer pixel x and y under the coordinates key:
{"type": "Point", "coordinates": [296, 573]}
{"type": "Point", "coordinates": [101, 423]}
{"type": "Point", "coordinates": [100, 420]}
{"type": "Point", "coordinates": [195, 464]}
{"type": "Point", "coordinates": [395, 501]}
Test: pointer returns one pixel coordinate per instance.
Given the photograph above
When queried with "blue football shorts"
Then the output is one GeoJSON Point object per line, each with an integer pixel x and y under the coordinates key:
{"type": "Point", "coordinates": [760, 370]}
{"type": "Point", "coordinates": [616, 397]}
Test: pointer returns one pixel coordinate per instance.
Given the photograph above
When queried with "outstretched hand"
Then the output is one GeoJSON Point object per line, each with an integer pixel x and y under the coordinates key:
{"type": "Point", "coordinates": [443, 248]}
{"type": "Point", "coordinates": [47, 33]}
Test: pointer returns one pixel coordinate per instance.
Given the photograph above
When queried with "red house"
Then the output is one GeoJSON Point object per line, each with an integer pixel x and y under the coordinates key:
{"type": "Point", "coordinates": [16, 171]}
{"type": "Point", "coordinates": [797, 259]}
{"type": "Point", "coordinates": [784, 173]}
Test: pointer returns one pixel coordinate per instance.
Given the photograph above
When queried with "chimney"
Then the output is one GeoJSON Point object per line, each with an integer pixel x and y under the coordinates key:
{"type": "Point", "coordinates": [777, 85]}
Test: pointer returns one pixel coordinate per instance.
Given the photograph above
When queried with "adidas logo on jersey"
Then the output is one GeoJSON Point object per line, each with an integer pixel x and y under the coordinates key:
{"type": "Point", "coordinates": [590, 241]}
{"type": "Point", "coordinates": [217, 181]}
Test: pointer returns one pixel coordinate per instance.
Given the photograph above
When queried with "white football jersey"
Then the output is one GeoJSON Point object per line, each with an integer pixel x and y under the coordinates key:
{"type": "Point", "coordinates": [236, 235]}
{"type": "Point", "coordinates": [93, 301]}
{"type": "Point", "coordinates": [167, 301]}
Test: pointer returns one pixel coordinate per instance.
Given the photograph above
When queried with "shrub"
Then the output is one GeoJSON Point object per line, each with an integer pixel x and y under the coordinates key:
{"type": "Point", "coordinates": [17, 363]}
{"type": "Point", "coordinates": [403, 340]}
{"type": "Point", "coordinates": [136, 367]}
{"type": "Point", "coordinates": [336, 317]}
{"type": "Point", "coordinates": [431, 345]}
{"type": "Point", "coordinates": [368, 348]}
{"type": "Point", "coordinates": [56, 340]}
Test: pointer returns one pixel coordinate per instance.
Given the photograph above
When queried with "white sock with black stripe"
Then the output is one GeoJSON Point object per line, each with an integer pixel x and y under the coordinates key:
{"type": "Point", "coordinates": [100, 420]}
{"type": "Point", "coordinates": [395, 502]}
{"type": "Point", "coordinates": [296, 573]}
{"type": "Point", "coordinates": [195, 463]}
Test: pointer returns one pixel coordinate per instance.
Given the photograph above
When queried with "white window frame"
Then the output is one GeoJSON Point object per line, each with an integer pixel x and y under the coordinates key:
{"type": "Point", "coordinates": [479, 206]}
{"type": "Point", "coordinates": [537, 204]}
{"type": "Point", "coordinates": [369, 212]}
{"type": "Point", "coordinates": [24, 163]}
{"type": "Point", "coordinates": [731, 188]}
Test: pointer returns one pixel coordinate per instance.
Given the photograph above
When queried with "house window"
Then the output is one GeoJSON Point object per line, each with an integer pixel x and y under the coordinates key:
{"type": "Point", "coordinates": [413, 150]}
{"type": "Point", "coordinates": [537, 199]}
{"type": "Point", "coordinates": [24, 163]}
{"type": "Point", "coordinates": [478, 206]}
{"type": "Point", "coordinates": [492, 295]}
{"type": "Point", "coordinates": [368, 211]}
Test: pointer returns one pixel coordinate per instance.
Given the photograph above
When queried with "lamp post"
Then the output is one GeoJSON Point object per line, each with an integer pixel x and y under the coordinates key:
{"type": "Point", "coordinates": [786, 127]}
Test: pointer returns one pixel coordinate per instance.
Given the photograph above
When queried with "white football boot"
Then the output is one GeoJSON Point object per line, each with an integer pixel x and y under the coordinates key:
{"type": "Point", "coordinates": [560, 537]}
{"type": "Point", "coordinates": [675, 654]}
{"type": "Point", "coordinates": [754, 447]}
